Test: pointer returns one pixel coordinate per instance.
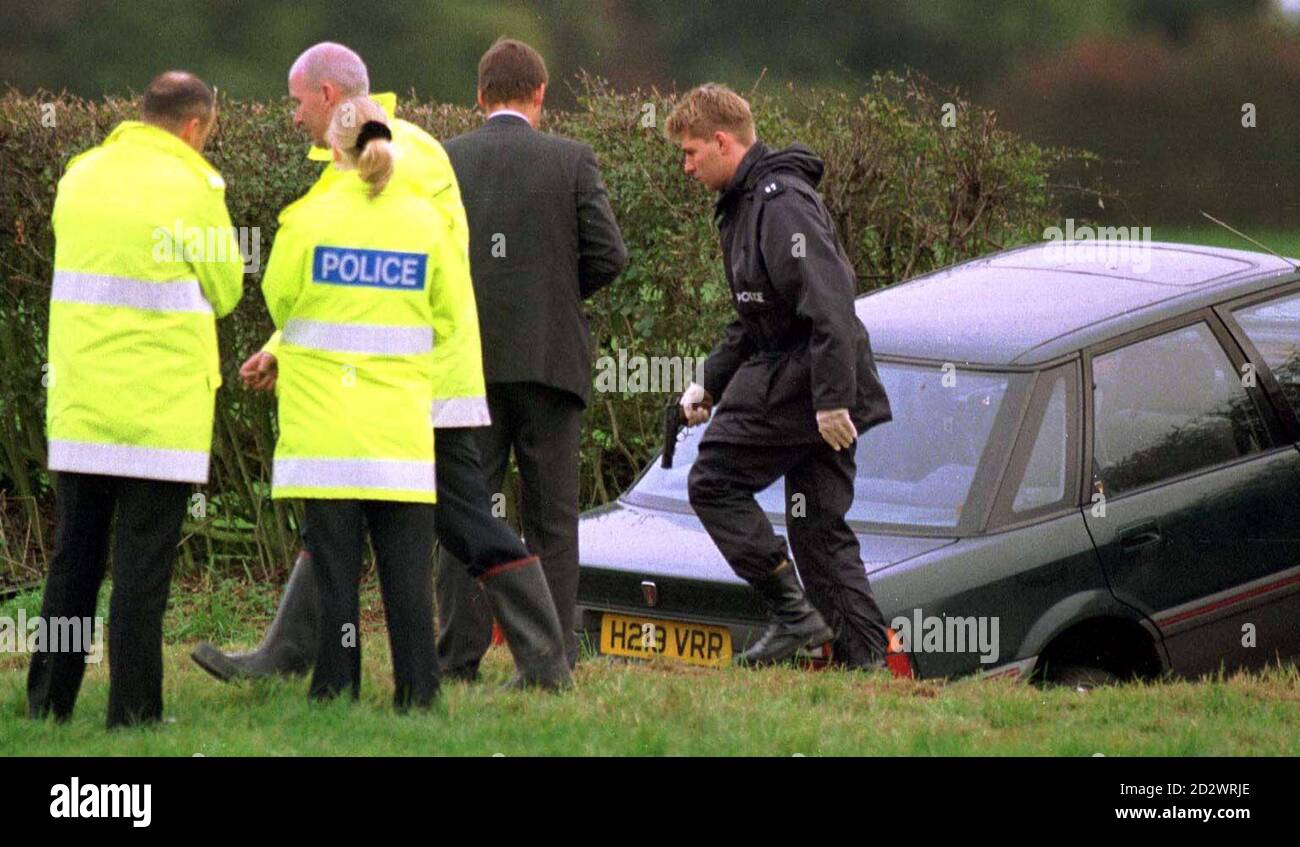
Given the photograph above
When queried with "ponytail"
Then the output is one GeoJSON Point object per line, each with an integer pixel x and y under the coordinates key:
{"type": "Point", "coordinates": [375, 165]}
{"type": "Point", "coordinates": [359, 130]}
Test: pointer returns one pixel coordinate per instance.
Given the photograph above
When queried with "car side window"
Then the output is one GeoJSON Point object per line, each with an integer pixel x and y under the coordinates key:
{"type": "Point", "coordinates": [1274, 328]}
{"type": "Point", "coordinates": [1167, 406]}
{"type": "Point", "coordinates": [1046, 471]}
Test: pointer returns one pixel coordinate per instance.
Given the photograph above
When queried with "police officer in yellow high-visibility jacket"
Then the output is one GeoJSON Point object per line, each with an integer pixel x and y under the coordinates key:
{"type": "Point", "coordinates": [459, 394]}
{"type": "Point", "coordinates": [145, 261]}
{"type": "Point", "coordinates": [324, 80]}
{"type": "Point", "coordinates": [362, 272]}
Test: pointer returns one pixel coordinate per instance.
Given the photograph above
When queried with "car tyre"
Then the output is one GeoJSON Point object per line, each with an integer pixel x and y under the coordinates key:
{"type": "Point", "coordinates": [1082, 678]}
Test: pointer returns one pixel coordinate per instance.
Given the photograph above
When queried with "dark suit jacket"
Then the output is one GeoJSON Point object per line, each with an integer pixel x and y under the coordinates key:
{"type": "Point", "coordinates": [542, 238]}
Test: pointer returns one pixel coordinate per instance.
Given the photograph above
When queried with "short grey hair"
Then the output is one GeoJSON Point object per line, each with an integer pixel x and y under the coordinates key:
{"type": "Point", "coordinates": [331, 62]}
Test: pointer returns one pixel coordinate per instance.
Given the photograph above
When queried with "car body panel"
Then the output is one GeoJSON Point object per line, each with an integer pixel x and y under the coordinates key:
{"type": "Point", "coordinates": [675, 544]}
{"type": "Point", "coordinates": [1008, 578]}
{"type": "Point", "coordinates": [1179, 551]}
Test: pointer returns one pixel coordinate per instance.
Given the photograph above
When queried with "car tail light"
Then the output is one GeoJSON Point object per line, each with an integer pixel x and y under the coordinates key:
{"type": "Point", "coordinates": [896, 658]}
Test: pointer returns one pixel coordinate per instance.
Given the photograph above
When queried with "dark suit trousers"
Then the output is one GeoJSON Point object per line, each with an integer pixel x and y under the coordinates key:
{"type": "Point", "coordinates": [542, 426]}
{"type": "Point", "coordinates": [723, 483]}
{"type": "Point", "coordinates": [466, 526]}
{"type": "Point", "coordinates": [149, 516]}
{"type": "Point", "coordinates": [402, 534]}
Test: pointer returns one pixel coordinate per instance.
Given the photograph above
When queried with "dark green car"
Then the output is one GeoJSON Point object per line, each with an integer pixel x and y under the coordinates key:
{"type": "Point", "coordinates": [1092, 473]}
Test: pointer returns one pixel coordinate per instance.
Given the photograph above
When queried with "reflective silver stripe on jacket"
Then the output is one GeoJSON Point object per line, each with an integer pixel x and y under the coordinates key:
{"type": "Point", "coordinates": [102, 290]}
{"type": "Point", "coordinates": [128, 460]}
{"type": "Point", "coordinates": [353, 473]}
{"type": "Point", "coordinates": [359, 338]}
{"type": "Point", "coordinates": [461, 411]}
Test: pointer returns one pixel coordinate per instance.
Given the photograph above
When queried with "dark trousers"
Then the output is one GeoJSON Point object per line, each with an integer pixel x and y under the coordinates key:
{"type": "Point", "coordinates": [402, 534]}
{"type": "Point", "coordinates": [149, 516]}
{"type": "Point", "coordinates": [466, 526]}
{"type": "Point", "coordinates": [542, 426]}
{"type": "Point", "coordinates": [818, 493]}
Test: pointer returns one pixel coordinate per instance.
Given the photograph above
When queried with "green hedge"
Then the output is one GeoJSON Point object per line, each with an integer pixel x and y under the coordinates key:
{"type": "Point", "coordinates": [908, 194]}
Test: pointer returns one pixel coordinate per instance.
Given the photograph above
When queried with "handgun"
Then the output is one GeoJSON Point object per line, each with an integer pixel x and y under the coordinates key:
{"type": "Point", "coordinates": [674, 420]}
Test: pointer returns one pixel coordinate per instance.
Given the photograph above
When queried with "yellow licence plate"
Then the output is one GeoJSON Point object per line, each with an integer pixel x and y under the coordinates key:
{"type": "Point", "coordinates": [644, 638]}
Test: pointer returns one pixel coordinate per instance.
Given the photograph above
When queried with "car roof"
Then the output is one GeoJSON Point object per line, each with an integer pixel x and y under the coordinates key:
{"type": "Point", "coordinates": [1033, 304]}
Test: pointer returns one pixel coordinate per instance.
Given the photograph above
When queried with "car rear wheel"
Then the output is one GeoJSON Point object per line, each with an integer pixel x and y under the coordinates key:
{"type": "Point", "coordinates": [1082, 678]}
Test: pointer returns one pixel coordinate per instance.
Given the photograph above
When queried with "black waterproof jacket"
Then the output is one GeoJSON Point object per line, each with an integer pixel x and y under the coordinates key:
{"type": "Point", "coordinates": [797, 346]}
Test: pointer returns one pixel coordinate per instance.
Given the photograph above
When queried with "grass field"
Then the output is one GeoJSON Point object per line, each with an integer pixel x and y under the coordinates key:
{"type": "Point", "coordinates": [1286, 242]}
{"type": "Point", "coordinates": [636, 709]}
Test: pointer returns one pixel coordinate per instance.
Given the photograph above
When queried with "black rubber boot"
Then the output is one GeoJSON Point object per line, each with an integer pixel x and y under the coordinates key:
{"type": "Point", "coordinates": [289, 647]}
{"type": "Point", "coordinates": [522, 606]}
{"type": "Point", "coordinates": [795, 623]}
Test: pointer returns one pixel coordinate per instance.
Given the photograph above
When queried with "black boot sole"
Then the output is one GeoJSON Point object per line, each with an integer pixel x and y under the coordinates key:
{"type": "Point", "coordinates": [222, 667]}
{"type": "Point", "coordinates": [813, 639]}
{"type": "Point", "coordinates": [214, 662]}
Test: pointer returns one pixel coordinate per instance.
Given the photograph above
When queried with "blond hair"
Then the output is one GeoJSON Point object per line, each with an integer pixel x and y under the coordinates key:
{"type": "Point", "coordinates": [375, 163]}
{"type": "Point", "coordinates": [708, 108]}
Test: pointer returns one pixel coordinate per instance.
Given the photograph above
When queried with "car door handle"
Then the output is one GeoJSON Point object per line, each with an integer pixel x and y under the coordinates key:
{"type": "Point", "coordinates": [1142, 535]}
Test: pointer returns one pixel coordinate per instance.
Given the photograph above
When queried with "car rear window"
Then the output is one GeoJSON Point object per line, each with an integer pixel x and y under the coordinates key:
{"type": "Point", "coordinates": [1274, 328]}
{"type": "Point", "coordinates": [915, 470]}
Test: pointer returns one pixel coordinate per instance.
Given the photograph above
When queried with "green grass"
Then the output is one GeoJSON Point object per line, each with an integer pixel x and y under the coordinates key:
{"type": "Point", "coordinates": [636, 709]}
{"type": "Point", "coordinates": [1286, 242]}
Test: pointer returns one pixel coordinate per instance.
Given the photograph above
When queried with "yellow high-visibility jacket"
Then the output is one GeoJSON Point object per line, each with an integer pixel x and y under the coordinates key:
{"type": "Point", "coordinates": [362, 292]}
{"type": "Point", "coordinates": [459, 396]}
{"type": "Point", "coordinates": [145, 260]}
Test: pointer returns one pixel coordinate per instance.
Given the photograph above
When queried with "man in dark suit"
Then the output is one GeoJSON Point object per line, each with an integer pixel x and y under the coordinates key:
{"type": "Point", "coordinates": [542, 239]}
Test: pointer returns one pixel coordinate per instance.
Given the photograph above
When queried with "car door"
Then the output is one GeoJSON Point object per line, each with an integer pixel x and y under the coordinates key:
{"type": "Point", "coordinates": [1195, 503]}
{"type": "Point", "coordinates": [1267, 327]}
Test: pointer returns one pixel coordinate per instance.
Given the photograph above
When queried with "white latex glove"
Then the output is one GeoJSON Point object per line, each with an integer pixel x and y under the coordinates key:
{"type": "Point", "coordinates": [696, 404]}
